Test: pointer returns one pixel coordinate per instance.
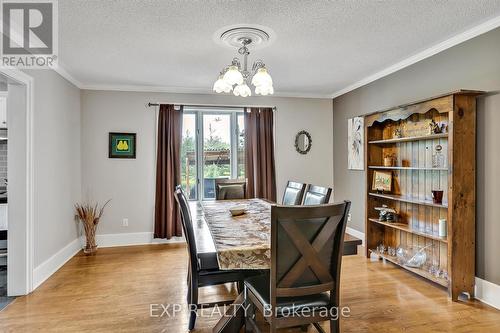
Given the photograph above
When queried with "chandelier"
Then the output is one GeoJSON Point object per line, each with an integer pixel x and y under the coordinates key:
{"type": "Point", "coordinates": [237, 78]}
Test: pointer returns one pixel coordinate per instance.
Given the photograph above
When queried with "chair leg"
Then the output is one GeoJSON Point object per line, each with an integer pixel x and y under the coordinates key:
{"type": "Point", "coordinates": [192, 302]}
{"type": "Point", "coordinates": [335, 326]}
{"type": "Point", "coordinates": [192, 320]}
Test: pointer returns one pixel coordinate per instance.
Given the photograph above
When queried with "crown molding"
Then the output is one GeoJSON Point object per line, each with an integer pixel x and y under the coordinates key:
{"type": "Point", "coordinates": [65, 74]}
{"type": "Point", "coordinates": [185, 90]}
{"type": "Point", "coordinates": [429, 52]}
{"type": "Point", "coordinates": [433, 50]}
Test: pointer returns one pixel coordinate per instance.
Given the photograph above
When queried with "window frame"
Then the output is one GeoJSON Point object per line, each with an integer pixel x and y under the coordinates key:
{"type": "Point", "coordinates": [199, 139]}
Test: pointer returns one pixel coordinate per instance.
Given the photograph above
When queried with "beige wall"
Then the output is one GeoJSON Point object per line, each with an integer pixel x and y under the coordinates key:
{"type": "Point", "coordinates": [130, 183]}
{"type": "Point", "coordinates": [56, 137]}
{"type": "Point", "coordinates": [474, 64]}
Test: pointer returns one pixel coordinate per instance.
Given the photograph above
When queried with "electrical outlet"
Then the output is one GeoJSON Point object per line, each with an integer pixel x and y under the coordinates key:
{"type": "Point", "coordinates": [125, 222]}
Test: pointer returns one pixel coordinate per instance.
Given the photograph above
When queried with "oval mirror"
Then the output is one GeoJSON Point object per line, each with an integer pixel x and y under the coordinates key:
{"type": "Point", "coordinates": [303, 142]}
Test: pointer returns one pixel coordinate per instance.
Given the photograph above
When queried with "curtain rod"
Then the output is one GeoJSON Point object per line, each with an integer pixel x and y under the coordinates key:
{"type": "Point", "coordinates": [150, 104]}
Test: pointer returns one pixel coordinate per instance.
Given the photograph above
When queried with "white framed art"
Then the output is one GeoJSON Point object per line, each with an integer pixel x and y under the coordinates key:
{"type": "Point", "coordinates": [356, 143]}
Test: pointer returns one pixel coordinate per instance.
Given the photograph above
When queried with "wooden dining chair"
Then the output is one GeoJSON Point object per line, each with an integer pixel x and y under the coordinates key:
{"type": "Point", "coordinates": [198, 276]}
{"type": "Point", "coordinates": [293, 193]}
{"type": "Point", "coordinates": [306, 257]}
{"type": "Point", "coordinates": [317, 195]}
{"type": "Point", "coordinates": [230, 189]}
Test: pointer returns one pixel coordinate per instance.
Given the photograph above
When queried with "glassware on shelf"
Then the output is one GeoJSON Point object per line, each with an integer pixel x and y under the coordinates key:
{"type": "Point", "coordinates": [434, 270]}
{"type": "Point", "coordinates": [413, 256]}
{"type": "Point", "coordinates": [438, 157]}
{"type": "Point", "coordinates": [391, 251]}
{"type": "Point", "coordinates": [400, 254]}
{"type": "Point", "coordinates": [381, 248]}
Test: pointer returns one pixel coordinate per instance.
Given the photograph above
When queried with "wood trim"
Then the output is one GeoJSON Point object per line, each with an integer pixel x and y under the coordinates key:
{"type": "Point", "coordinates": [442, 104]}
{"type": "Point", "coordinates": [461, 192]}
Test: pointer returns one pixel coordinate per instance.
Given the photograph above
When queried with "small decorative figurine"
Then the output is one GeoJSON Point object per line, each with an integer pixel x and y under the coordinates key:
{"type": "Point", "coordinates": [398, 133]}
{"type": "Point", "coordinates": [434, 128]}
{"type": "Point", "coordinates": [386, 214]}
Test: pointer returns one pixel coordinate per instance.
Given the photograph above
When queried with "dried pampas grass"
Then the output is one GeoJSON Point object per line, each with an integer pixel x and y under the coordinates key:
{"type": "Point", "coordinates": [89, 215]}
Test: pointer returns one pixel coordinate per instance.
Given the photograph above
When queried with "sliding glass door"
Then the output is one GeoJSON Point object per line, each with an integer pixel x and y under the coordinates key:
{"type": "Point", "coordinates": [213, 147]}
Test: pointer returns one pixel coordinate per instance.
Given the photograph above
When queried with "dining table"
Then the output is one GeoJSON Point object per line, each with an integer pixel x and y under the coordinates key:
{"type": "Point", "coordinates": [238, 242]}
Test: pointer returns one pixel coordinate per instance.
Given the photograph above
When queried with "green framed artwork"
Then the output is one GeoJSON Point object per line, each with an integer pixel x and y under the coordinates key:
{"type": "Point", "coordinates": [122, 145]}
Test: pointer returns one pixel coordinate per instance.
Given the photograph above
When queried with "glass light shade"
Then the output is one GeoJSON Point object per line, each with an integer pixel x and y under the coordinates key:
{"type": "Point", "coordinates": [262, 77]}
{"type": "Point", "coordinates": [233, 75]}
{"type": "Point", "coordinates": [242, 90]}
{"type": "Point", "coordinates": [264, 90]}
{"type": "Point", "coordinates": [221, 86]}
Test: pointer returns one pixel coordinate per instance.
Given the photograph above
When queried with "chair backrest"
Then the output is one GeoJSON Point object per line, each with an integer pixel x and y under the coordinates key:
{"type": "Point", "coordinates": [317, 195]}
{"type": "Point", "coordinates": [306, 249]}
{"type": "Point", "coordinates": [187, 225]}
{"type": "Point", "coordinates": [293, 193]}
{"type": "Point", "coordinates": [230, 189]}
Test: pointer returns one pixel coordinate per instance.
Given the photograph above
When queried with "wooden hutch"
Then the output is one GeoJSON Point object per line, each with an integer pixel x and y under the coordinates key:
{"type": "Point", "coordinates": [405, 137]}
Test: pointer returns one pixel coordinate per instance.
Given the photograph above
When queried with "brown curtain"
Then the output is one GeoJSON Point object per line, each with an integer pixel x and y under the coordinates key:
{"type": "Point", "coordinates": [259, 146]}
{"type": "Point", "coordinates": [168, 173]}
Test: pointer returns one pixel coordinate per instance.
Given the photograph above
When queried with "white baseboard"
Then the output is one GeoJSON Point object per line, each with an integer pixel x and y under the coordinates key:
{"type": "Point", "coordinates": [487, 292]}
{"type": "Point", "coordinates": [356, 233]}
{"type": "Point", "coordinates": [43, 271]}
{"type": "Point", "coordinates": [136, 238]}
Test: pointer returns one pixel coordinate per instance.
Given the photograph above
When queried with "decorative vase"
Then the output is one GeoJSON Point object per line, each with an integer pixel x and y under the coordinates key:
{"type": "Point", "coordinates": [437, 196]}
{"type": "Point", "coordinates": [90, 244]}
{"type": "Point", "coordinates": [89, 215]}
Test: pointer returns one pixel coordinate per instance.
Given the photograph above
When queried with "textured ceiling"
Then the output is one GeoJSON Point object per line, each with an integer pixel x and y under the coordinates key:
{"type": "Point", "coordinates": [320, 46]}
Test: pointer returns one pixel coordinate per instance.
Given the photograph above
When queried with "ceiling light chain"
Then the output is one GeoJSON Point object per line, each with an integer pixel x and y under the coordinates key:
{"type": "Point", "coordinates": [235, 77]}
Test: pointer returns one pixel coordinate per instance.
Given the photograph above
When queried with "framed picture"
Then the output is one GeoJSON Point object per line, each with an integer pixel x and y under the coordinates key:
{"type": "Point", "coordinates": [382, 181]}
{"type": "Point", "coordinates": [122, 145]}
{"type": "Point", "coordinates": [356, 143]}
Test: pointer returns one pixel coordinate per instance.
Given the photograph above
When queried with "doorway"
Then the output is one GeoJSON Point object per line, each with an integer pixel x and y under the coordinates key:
{"type": "Point", "coordinates": [16, 181]}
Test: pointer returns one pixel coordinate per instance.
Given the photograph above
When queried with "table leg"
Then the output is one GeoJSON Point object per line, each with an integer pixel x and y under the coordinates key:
{"type": "Point", "coordinates": [234, 317]}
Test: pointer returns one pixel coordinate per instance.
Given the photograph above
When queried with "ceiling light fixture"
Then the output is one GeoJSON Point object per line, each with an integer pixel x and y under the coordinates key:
{"type": "Point", "coordinates": [236, 77]}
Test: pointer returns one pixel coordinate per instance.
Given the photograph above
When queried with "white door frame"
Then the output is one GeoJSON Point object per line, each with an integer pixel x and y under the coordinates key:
{"type": "Point", "coordinates": [22, 285]}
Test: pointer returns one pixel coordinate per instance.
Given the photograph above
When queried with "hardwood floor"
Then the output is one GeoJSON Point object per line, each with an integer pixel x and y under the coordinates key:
{"type": "Point", "coordinates": [112, 292]}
